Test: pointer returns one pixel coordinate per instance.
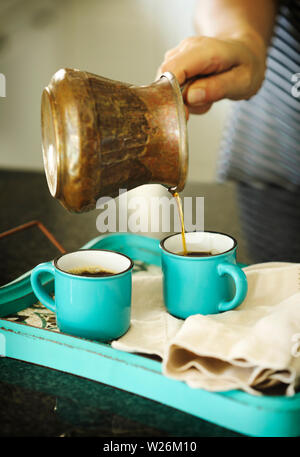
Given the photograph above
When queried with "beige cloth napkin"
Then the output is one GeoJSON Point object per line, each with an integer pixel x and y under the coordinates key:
{"type": "Point", "coordinates": [255, 347]}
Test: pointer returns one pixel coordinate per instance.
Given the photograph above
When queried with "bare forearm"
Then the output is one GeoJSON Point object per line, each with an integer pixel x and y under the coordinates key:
{"type": "Point", "coordinates": [250, 21]}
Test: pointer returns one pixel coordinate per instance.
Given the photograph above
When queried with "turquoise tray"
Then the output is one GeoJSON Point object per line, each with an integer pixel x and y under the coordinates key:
{"type": "Point", "coordinates": [251, 415]}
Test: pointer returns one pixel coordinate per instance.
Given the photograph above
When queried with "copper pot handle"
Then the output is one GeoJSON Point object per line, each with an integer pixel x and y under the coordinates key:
{"type": "Point", "coordinates": [187, 83]}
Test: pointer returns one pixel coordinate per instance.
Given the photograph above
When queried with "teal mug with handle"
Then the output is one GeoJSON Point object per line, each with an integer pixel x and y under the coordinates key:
{"type": "Point", "coordinates": [207, 280]}
{"type": "Point", "coordinates": [92, 293]}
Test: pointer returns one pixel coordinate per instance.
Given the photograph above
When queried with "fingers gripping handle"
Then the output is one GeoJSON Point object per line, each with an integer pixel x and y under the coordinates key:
{"type": "Point", "coordinates": [241, 285]}
{"type": "Point", "coordinates": [37, 287]}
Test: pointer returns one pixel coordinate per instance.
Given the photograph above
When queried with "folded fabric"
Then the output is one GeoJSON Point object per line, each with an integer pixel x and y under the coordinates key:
{"type": "Point", "coordinates": [255, 347]}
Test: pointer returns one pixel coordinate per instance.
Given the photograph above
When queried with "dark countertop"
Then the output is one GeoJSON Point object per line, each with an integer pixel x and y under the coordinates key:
{"type": "Point", "coordinates": [37, 401]}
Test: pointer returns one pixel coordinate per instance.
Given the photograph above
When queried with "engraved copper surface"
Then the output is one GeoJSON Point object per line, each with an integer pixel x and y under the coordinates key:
{"type": "Point", "coordinates": [101, 135]}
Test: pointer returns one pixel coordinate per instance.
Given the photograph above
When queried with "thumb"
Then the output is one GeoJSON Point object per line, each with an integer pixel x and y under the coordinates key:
{"type": "Point", "coordinates": [229, 84]}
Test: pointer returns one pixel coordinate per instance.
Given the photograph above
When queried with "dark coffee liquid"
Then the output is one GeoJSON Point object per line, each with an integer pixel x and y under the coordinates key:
{"type": "Point", "coordinates": [196, 254]}
{"type": "Point", "coordinates": [91, 272]}
{"type": "Point", "coordinates": [185, 252]}
{"type": "Point", "coordinates": [179, 206]}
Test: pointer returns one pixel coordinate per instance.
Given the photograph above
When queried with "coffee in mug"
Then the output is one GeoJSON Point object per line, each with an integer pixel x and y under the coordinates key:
{"type": "Point", "coordinates": [196, 254]}
{"type": "Point", "coordinates": [91, 272]}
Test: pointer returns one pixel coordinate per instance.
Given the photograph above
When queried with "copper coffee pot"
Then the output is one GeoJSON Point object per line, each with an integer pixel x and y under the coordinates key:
{"type": "Point", "coordinates": [101, 135]}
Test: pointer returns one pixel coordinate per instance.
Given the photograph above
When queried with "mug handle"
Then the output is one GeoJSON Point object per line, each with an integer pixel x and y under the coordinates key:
{"type": "Point", "coordinates": [38, 289]}
{"type": "Point", "coordinates": [241, 285]}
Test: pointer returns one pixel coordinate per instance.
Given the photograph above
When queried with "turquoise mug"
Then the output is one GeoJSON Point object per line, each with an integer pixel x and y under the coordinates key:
{"type": "Point", "coordinates": [93, 307]}
{"type": "Point", "coordinates": [208, 282]}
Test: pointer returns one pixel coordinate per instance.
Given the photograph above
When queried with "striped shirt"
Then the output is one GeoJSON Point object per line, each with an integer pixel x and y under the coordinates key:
{"type": "Point", "coordinates": [262, 139]}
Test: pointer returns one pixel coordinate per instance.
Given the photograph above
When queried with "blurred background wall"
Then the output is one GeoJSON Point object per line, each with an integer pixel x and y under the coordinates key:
{"type": "Point", "coordinates": [119, 39]}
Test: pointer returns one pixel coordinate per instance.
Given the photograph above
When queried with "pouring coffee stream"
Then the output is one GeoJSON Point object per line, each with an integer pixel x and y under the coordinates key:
{"type": "Point", "coordinates": [101, 135]}
{"type": "Point", "coordinates": [180, 212]}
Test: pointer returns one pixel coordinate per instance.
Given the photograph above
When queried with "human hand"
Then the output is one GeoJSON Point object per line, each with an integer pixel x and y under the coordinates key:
{"type": "Point", "coordinates": [227, 68]}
